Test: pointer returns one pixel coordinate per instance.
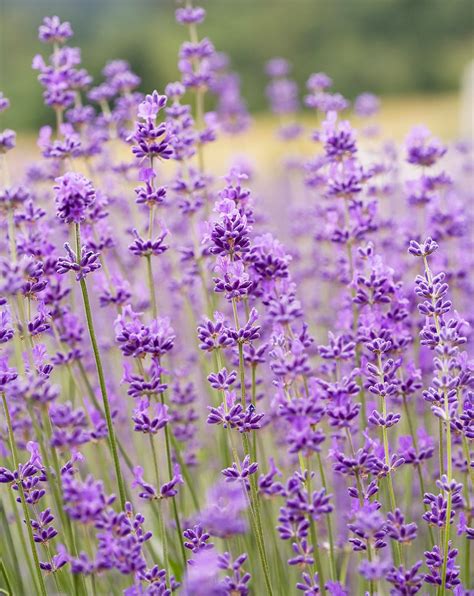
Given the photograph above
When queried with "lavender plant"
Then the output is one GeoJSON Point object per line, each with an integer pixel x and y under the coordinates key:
{"type": "Point", "coordinates": [195, 403]}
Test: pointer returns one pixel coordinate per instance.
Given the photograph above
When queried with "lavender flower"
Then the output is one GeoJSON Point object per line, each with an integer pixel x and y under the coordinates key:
{"type": "Point", "coordinates": [246, 390]}
{"type": "Point", "coordinates": [74, 195]}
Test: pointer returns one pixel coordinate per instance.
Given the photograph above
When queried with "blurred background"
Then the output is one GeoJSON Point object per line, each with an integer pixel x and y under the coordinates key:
{"type": "Point", "coordinates": [414, 53]}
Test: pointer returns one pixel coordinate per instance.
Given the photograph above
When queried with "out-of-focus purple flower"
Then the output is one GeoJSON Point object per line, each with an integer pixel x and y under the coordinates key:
{"type": "Point", "coordinates": [318, 81]}
{"type": "Point", "coordinates": [423, 149]}
{"type": "Point", "coordinates": [190, 15]}
{"type": "Point", "coordinates": [277, 68]}
{"type": "Point", "coordinates": [283, 96]}
{"type": "Point", "coordinates": [7, 140]}
{"type": "Point", "coordinates": [53, 31]}
{"type": "Point", "coordinates": [338, 138]}
{"type": "Point", "coordinates": [366, 105]}
{"type": "Point", "coordinates": [4, 103]}
{"type": "Point", "coordinates": [222, 514]}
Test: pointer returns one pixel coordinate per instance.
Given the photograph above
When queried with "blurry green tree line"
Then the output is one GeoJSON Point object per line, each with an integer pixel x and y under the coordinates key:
{"type": "Point", "coordinates": [385, 46]}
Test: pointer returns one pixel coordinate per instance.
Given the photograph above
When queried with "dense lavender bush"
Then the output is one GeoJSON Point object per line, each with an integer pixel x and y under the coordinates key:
{"type": "Point", "coordinates": [191, 405]}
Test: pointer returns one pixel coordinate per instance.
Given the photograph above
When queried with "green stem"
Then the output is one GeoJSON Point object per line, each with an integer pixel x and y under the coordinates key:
{"type": "Point", "coordinates": [10, 547]}
{"type": "Point", "coordinates": [344, 566]}
{"type": "Point", "coordinates": [254, 403]}
{"type": "Point", "coordinates": [332, 559]}
{"type": "Point", "coordinates": [363, 412]}
{"type": "Point", "coordinates": [161, 525]}
{"type": "Point", "coordinates": [58, 497]}
{"type": "Point", "coordinates": [185, 470]}
{"type": "Point", "coordinates": [369, 556]}
{"type": "Point", "coordinates": [417, 466]}
{"type": "Point", "coordinates": [312, 527]}
{"type": "Point", "coordinates": [467, 564]}
{"type": "Point", "coordinates": [54, 572]}
{"type": "Point", "coordinates": [170, 474]}
{"type": "Point", "coordinates": [98, 407]}
{"type": "Point", "coordinates": [247, 450]}
{"type": "Point", "coordinates": [391, 492]}
{"type": "Point", "coordinates": [26, 513]}
{"type": "Point", "coordinates": [258, 529]}
{"type": "Point", "coordinates": [11, 234]}
{"type": "Point", "coordinates": [441, 447]}
{"type": "Point", "coordinates": [100, 373]}
{"type": "Point", "coordinates": [4, 572]}
{"type": "Point", "coordinates": [199, 122]}
{"type": "Point", "coordinates": [24, 546]}
{"type": "Point", "coordinates": [151, 285]}
{"type": "Point", "coordinates": [449, 466]}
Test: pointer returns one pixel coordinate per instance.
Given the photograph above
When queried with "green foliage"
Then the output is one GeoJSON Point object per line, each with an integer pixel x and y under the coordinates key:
{"type": "Point", "coordinates": [386, 46]}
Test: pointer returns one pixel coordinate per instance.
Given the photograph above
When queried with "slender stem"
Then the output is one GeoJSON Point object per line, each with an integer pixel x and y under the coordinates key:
{"type": "Point", "coordinates": [4, 572]}
{"type": "Point", "coordinates": [11, 234]}
{"type": "Point", "coordinates": [151, 285]}
{"type": "Point", "coordinates": [98, 407]}
{"type": "Point", "coordinates": [247, 450]}
{"type": "Point", "coordinates": [449, 467]}
{"type": "Point", "coordinates": [10, 547]}
{"type": "Point", "coordinates": [369, 556]}
{"type": "Point", "coordinates": [344, 566]}
{"type": "Point", "coordinates": [241, 354]}
{"type": "Point", "coordinates": [26, 513]}
{"type": "Point", "coordinates": [199, 124]}
{"type": "Point", "coordinates": [391, 492]}
{"type": "Point", "coordinates": [100, 374]}
{"type": "Point", "coordinates": [317, 558]}
{"type": "Point", "coordinates": [161, 525]}
{"type": "Point", "coordinates": [170, 474]}
{"type": "Point", "coordinates": [360, 491]}
{"type": "Point", "coordinates": [24, 546]}
{"type": "Point", "coordinates": [417, 465]}
{"type": "Point", "coordinates": [254, 403]}
{"type": "Point", "coordinates": [55, 572]}
{"type": "Point", "coordinates": [185, 470]}
{"type": "Point", "coordinates": [449, 464]}
{"type": "Point", "coordinates": [58, 497]}
{"type": "Point", "coordinates": [467, 546]}
{"type": "Point", "coordinates": [440, 447]}
{"type": "Point", "coordinates": [151, 218]}
{"type": "Point", "coordinates": [53, 477]}
{"type": "Point", "coordinates": [258, 522]}
{"type": "Point", "coordinates": [332, 559]}
{"type": "Point", "coordinates": [313, 532]}
{"type": "Point", "coordinates": [467, 564]}
{"type": "Point", "coordinates": [363, 401]}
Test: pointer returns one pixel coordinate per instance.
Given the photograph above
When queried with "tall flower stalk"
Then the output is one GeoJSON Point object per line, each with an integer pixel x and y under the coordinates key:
{"type": "Point", "coordinates": [19, 484]}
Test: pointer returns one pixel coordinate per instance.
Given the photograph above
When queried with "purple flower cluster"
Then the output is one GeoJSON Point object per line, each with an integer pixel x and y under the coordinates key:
{"type": "Point", "coordinates": [193, 402]}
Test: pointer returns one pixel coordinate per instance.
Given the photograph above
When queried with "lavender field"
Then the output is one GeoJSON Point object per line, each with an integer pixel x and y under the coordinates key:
{"type": "Point", "coordinates": [231, 376]}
